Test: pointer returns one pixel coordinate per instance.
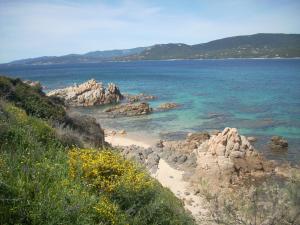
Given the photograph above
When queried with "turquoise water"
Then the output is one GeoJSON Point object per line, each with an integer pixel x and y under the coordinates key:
{"type": "Point", "coordinates": [259, 97]}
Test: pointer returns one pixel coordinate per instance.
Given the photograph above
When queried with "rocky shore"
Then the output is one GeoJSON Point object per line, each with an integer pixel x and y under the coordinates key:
{"type": "Point", "coordinates": [223, 160]}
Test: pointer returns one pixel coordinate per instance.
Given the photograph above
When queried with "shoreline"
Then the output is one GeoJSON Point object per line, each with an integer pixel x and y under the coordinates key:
{"type": "Point", "coordinates": [166, 175]}
{"type": "Point", "coordinates": [9, 64]}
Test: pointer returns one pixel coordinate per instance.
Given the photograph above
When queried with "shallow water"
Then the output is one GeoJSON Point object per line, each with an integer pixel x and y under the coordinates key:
{"type": "Point", "coordinates": [260, 97]}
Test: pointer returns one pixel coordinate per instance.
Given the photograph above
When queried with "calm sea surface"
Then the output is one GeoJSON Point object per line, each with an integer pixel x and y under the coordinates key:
{"type": "Point", "coordinates": [259, 97]}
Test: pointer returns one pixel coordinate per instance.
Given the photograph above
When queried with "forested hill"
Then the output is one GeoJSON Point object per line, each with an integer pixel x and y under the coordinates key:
{"type": "Point", "coordinates": [250, 46]}
{"type": "Point", "coordinates": [247, 46]}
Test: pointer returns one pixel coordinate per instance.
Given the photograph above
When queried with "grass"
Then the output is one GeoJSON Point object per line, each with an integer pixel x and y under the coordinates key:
{"type": "Point", "coordinates": [44, 182]}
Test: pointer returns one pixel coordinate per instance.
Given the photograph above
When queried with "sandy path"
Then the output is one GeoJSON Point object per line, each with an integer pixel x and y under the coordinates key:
{"type": "Point", "coordinates": [168, 177]}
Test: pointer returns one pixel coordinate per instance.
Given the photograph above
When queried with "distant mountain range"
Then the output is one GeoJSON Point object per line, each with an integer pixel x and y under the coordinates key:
{"type": "Point", "coordinates": [247, 46]}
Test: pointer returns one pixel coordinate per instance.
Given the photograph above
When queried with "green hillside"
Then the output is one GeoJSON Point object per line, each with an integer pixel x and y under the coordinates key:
{"type": "Point", "coordinates": [250, 46]}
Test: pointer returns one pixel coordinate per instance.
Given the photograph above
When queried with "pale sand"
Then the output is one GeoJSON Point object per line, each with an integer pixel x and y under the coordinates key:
{"type": "Point", "coordinates": [118, 140]}
{"type": "Point", "coordinates": [168, 177]}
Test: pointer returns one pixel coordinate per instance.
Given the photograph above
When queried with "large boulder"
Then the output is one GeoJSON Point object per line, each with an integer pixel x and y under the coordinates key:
{"type": "Point", "coordinates": [130, 109]}
{"type": "Point", "coordinates": [88, 94]}
{"type": "Point", "coordinates": [228, 157]}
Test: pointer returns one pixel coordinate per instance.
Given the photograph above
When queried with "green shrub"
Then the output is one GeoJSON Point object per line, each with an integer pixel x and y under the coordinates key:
{"type": "Point", "coordinates": [31, 99]}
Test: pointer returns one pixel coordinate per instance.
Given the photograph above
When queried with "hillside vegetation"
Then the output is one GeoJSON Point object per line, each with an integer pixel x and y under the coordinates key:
{"type": "Point", "coordinates": [249, 46]}
{"type": "Point", "coordinates": [43, 181]}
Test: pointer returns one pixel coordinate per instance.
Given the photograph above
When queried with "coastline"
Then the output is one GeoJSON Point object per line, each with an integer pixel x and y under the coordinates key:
{"type": "Point", "coordinates": [166, 175]}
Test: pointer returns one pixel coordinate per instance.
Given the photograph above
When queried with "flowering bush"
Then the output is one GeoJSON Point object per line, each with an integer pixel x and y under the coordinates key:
{"type": "Point", "coordinates": [107, 170]}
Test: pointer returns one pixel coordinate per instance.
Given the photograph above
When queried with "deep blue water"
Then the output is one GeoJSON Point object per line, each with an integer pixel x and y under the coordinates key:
{"type": "Point", "coordinates": [259, 97]}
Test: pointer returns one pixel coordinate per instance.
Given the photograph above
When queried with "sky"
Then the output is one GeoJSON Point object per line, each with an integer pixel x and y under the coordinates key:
{"type": "Point", "coordinates": [30, 28]}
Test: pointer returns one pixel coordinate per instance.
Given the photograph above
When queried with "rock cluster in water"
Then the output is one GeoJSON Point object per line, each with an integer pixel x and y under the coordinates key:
{"type": "Point", "coordinates": [89, 93]}
{"type": "Point", "coordinates": [130, 109]}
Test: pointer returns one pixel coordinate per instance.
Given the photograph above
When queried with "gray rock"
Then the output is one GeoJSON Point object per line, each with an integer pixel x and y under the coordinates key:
{"type": "Point", "coordinates": [148, 151]}
{"type": "Point", "coordinates": [181, 159]}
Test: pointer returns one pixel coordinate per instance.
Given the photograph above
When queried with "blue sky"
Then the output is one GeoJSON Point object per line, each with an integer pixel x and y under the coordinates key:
{"type": "Point", "coordinates": [31, 28]}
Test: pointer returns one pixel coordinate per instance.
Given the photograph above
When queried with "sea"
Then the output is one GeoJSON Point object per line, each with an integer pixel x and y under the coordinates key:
{"type": "Point", "coordinates": [260, 97]}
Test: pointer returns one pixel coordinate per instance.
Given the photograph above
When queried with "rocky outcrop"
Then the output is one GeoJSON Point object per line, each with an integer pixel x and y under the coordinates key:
{"type": "Point", "coordinates": [228, 157]}
{"type": "Point", "coordinates": [33, 83]}
{"type": "Point", "coordinates": [148, 157]}
{"type": "Point", "coordinates": [137, 98]}
{"type": "Point", "coordinates": [88, 94]}
{"type": "Point", "coordinates": [278, 143]}
{"type": "Point", "coordinates": [167, 106]}
{"type": "Point", "coordinates": [130, 109]}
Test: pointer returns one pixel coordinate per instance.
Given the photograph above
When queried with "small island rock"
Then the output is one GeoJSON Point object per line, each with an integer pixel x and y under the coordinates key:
{"type": "Point", "coordinates": [278, 142]}
{"type": "Point", "coordinates": [130, 109]}
{"type": "Point", "coordinates": [89, 93]}
{"type": "Point", "coordinates": [168, 106]}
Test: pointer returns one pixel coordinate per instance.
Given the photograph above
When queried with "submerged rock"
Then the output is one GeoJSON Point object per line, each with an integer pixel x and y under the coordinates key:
{"type": "Point", "coordinates": [140, 97]}
{"type": "Point", "coordinates": [88, 94]}
{"type": "Point", "coordinates": [130, 109]}
{"type": "Point", "coordinates": [251, 139]}
{"type": "Point", "coordinates": [168, 106]}
{"type": "Point", "coordinates": [278, 142]}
